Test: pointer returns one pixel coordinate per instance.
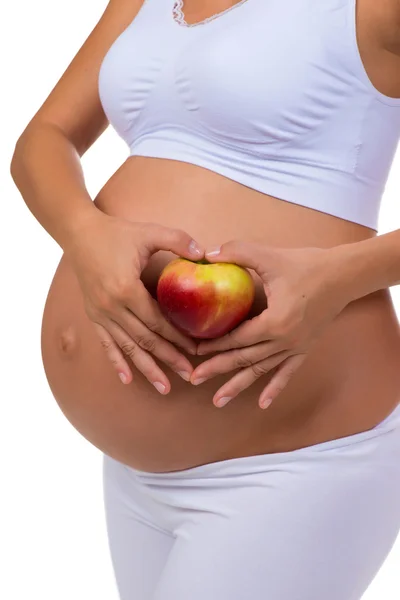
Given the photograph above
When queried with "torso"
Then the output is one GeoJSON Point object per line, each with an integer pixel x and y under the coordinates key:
{"type": "Point", "coordinates": [349, 382]}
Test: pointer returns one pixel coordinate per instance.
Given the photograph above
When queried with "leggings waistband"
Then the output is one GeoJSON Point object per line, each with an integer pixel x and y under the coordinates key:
{"type": "Point", "coordinates": [252, 463]}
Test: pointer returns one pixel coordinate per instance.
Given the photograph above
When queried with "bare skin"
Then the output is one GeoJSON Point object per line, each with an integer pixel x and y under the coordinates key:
{"type": "Point", "coordinates": [349, 382]}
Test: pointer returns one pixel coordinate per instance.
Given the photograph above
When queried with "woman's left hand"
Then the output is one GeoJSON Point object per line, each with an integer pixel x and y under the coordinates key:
{"type": "Point", "coordinates": [304, 295]}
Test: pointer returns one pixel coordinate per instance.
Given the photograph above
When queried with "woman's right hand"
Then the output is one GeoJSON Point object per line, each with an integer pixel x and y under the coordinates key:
{"type": "Point", "coordinates": [108, 256]}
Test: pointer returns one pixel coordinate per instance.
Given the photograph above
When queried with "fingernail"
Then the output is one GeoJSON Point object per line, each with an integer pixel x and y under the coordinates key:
{"type": "Point", "coordinates": [200, 351]}
{"type": "Point", "coordinates": [160, 387]}
{"type": "Point", "coordinates": [265, 403]}
{"type": "Point", "coordinates": [123, 377]}
{"type": "Point", "coordinates": [185, 375]}
{"type": "Point", "coordinates": [222, 401]}
{"type": "Point", "coordinates": [199, 381]}
{"type": "Point", "coordinates": [214, 251]}
{"type": "Point", "coordinates": [194, 248]}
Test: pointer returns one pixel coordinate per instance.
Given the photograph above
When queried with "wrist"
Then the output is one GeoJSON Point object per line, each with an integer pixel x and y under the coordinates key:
{"type": "Point", "coordinates": [339, 270]}
{"type": "Point", "coordinates": [87, 217]}
{"type": "Point", "coordinates": [362, 268]}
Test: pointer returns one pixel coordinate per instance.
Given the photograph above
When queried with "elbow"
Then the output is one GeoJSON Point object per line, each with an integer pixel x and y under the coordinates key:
{"type": "Point", "coordinates": [22, 148]}
{"type": "Point", "coordinates": [16, 157]}
{"type": "Point", "coordinates": [14, 162]}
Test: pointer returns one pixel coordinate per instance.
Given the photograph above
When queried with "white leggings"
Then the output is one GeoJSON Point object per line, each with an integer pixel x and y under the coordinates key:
{"type": "Point", "coordinates": [310, 524]}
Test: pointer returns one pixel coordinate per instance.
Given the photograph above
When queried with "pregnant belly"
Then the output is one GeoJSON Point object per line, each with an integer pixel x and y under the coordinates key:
{"type": "Point", "coordinates": [348, 383]}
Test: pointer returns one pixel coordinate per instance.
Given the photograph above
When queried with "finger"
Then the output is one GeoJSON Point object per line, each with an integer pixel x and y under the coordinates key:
{"type": "Point", "coordinates": [155, 344]}
{"type": "Point", "coordinates": [233, 359]}
{"type": "Point", "coordinates": [142, 360]}
{"type": "Point", "coordinates": [175, 240]}
{"type": "Point", "coordinates": [114, 354]}
{"type": "Point", "coordinates": [280, 379]}
{"type": "Point", "coordinates": [146, 308]}
{"type": "Point", "coordinates": [255, 330]}
{"type": "Point", "coordinates": [245, 254]}
{"type": "Point", "coordinates": [246, 377]}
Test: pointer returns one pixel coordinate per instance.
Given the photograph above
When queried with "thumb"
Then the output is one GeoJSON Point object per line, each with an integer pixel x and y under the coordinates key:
{"type": "Point", "coordinates": [175, 240]}
{"type": "Point", "coordinates": [244, 254]}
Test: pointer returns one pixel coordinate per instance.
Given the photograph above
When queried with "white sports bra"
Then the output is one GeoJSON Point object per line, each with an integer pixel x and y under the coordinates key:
{"type": "Point", "coordinates": [269, 95]}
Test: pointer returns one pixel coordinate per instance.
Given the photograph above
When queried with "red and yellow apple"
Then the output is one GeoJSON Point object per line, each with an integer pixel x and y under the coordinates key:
{"type": "Point", "coordinates": [204, 300]}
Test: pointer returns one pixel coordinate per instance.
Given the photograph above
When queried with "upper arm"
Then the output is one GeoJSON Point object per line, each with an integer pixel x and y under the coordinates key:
{"type": "Point", "coordinates": [74, 104]}
{"type": "Point", "coordinates": [389, 15]}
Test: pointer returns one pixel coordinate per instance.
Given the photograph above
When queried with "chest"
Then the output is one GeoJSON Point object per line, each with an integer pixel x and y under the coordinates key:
{"type": "Point", "coordinates": [251, 69]}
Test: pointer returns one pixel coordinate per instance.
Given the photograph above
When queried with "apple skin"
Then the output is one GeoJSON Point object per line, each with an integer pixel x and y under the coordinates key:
{"type": "Point", "coordinates": [204, 300]}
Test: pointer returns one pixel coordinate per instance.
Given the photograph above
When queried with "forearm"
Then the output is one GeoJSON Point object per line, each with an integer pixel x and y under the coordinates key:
{"type": "Point", "coordinates": [365, 267]}
{"type": "Point", "coordinates": [47, 171]}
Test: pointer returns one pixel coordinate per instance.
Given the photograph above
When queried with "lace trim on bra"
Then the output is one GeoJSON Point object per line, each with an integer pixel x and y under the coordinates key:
{"type": "Point", "coordinates": [179, 17]}
{"type": "Point", "coordinates": [177, 12]}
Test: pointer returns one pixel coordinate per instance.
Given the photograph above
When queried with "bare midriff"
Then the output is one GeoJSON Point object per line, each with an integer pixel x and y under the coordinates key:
{"type": "Point", "coordinates": [349, 382]}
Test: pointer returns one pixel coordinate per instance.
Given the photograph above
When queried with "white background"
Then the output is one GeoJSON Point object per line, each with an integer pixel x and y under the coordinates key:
{"type": "Point", "coordinates": [52, 534]}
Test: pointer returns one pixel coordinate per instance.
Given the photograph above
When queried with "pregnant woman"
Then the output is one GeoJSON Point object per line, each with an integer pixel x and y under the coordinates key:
{"type": "Point", "coordinates": [264, 464]}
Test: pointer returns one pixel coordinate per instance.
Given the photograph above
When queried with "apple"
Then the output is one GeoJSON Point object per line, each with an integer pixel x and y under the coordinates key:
{"type": "Point", "coordinates": [204, 300]}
